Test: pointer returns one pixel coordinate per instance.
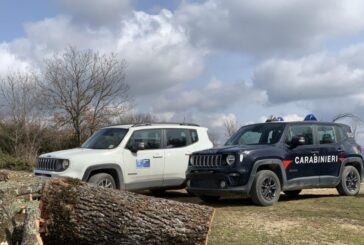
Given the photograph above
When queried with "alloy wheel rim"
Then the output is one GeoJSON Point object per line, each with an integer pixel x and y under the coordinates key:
{"type": "Point", "coordinates": [269, 189]}
{"type": "Point", "coordinates": [352, 181]}
{"type": "Point", "coordinates": [105, 183]}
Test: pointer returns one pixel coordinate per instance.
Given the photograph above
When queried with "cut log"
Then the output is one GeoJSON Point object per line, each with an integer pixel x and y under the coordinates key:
{"type": "Point", "coordinates": [31, 235]}
{"type": "Point", "coordinates": [14, 195]}
{"type": "Point", "coordinates": [77, 213]}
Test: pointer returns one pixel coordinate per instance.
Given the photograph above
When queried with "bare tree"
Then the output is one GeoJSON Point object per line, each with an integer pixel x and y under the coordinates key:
{"type": "Point", "coordinates": [214, 137]}
{"type": "Point", "coordinates": [85, 89]}
{"type": "Point", "coordinates": [354, 120]}
{"type": "Point", "coordinates": [131, 118]}
{"type": "Point", "coordinates": [230, 126]}
{"type": "Point", "coordinates": [21, 125]}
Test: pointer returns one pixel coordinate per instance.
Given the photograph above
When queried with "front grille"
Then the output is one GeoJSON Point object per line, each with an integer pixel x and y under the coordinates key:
{"type": "Point", "coordinates": [207, 161]}
{"type": "Point", "coordinates": [49, 164]}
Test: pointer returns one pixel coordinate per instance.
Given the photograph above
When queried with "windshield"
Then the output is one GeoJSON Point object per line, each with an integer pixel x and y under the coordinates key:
{"type": "Point", "coordinates": [257, 134]}
{"type": "Point", "coordinates": [106, 138]}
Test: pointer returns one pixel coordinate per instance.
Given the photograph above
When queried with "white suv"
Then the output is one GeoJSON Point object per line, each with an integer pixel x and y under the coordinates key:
{"type": "Point", "coordinates": [130, 157]}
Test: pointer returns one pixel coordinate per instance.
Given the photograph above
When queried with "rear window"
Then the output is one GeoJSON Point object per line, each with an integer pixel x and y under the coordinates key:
{"type": "Point", "coordinates": [177, 138]}
{"type": "Point", "coordinates": [326, 135]}
{"type": "Point", "coordinates": [194, 135]}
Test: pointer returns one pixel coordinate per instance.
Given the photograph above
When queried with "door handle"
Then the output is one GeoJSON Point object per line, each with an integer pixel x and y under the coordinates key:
{"type": "Point", "coordinates": [315, 152]}
{"type": "Point", "coordinates": [157, 156]}
{"type": "Point", "coordinates": [340, 149]}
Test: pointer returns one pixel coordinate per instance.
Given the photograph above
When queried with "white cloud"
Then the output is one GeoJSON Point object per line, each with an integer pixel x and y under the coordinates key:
{"type": "Point", "coordinates": [317, 76]}
{"type": "Point", "coordinates": [9, 62]}
{"type": "Point", "coordinates": [270, 27]}
{"type": "Point", "coordinates": [158, 52]}
{"type": "Point", "coordinates": [220, 121]}
{"type": "Point", "coordinates": [216, 96]}
{"type": "Point", "coordinates": [96, 12]}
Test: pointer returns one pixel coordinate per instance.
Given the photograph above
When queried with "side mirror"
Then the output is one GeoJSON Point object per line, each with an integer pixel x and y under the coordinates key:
{"type": "Point", "coordinates": [297, 140]}
{"type": "Point", "coordinates": [140, 146]}
{"type": "Point", "coordinates": [137, 147]}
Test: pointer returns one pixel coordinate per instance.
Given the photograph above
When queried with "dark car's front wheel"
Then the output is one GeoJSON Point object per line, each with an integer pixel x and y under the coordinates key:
{"type": "Point", "coordinates": [266, 188]}
{"type": "Point", "coordinates": [350, 182]}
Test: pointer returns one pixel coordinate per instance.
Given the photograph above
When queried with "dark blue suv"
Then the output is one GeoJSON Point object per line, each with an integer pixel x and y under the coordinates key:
{"type": "Point", "coordinates": [261, 160]}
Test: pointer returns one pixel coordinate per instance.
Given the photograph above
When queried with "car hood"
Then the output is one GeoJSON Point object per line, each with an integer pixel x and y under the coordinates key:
{"type": "Point", "coordinates": [234, 148]}
{"type": "Point", "coordinates": [73, 153]}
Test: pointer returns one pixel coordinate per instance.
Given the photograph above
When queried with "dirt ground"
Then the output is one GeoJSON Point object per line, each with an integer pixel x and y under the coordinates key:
{"type": "Point", "coordinates": [318, 216]}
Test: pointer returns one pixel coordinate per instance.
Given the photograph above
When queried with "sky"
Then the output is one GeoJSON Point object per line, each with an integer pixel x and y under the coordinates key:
{"type": "Point", "coordinates": [209, 60]}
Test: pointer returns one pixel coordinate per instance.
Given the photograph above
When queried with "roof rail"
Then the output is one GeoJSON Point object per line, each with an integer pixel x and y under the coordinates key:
{"type": "Point", "coordinates": [163, 123]}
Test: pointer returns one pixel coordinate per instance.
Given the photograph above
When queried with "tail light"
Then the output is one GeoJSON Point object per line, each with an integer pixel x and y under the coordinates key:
{"type": "Point", "coordinates": [358, 148]}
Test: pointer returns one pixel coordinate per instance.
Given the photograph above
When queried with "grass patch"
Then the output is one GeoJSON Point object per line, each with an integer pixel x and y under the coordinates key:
{"type": "Point", "coordinates": [309, 219]}
{"type": "Point", "coordinates": [12, 163]}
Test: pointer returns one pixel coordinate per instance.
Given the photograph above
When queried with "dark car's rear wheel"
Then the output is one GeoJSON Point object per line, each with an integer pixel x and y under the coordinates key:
{"type": "Point", "coordinates": [103, 180]}
{"type": "Point", "coordinates": [266, 188]}
{"type": "Point", "coordinates": [209, 199]}
{"type": "Point", "coordinates": [294, 193]}
{"type": "Point", "coordinates": [350, 182]}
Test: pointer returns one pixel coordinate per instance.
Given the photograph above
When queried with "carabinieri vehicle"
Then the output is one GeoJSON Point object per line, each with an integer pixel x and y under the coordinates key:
{"type": "Point", "coordinates": [261, 160]}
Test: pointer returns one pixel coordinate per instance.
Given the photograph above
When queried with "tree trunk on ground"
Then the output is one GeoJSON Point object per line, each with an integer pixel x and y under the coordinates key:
{"type": "Point", "coordinates": [77, 213]}
{"type": "Point", "coordinates": [14, 196]}
{"type": "Point", "coordinates": [31, 234]}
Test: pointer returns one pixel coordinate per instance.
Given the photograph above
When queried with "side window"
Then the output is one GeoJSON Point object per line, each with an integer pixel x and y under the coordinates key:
{"type": "Point", "coordinates": [326, 134]}
{"type": "Point", "coordinates": [150, 137]}
{"type": "Point", "coordinates": [194, 136]}
{"type": "Point", "coordinates": [340, 134]}
{"type": "Point", "coordinates": [250, 138]}
{"type": "Point", "coordinates": [176, 137]}
{"type": "Point", "coordinates": [300, 131]}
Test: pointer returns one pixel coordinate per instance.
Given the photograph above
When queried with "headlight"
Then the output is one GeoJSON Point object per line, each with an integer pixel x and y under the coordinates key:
{"type": "Point", "coordinates": [241, 157]}
{"type": "Point", "coordinates": [191, 160]}
{"type": "Point", "coordinates": [62, 165]}
{"type": "Point", "coordinates": [230, 159]}
{"type": "Point", "coordinates": [65, 164]}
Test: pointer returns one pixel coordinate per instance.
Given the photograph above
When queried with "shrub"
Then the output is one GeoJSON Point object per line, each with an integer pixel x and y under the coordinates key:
{"type": "Point", "coordinates": [12, 163]}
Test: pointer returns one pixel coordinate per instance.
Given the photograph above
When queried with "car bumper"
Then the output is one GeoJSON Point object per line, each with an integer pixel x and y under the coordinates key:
{"type": "Point", "coordinates": [51, 174]}
{"type": "Point", "coordinates": [216, 184]}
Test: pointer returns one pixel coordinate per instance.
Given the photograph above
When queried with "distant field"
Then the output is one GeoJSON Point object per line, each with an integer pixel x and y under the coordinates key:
{"type": "Point", "coordinates": [316, 217]}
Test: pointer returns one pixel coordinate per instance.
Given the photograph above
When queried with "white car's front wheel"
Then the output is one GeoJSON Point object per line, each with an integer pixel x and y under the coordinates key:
{"type": "Point", "coordinates": [103, 180]}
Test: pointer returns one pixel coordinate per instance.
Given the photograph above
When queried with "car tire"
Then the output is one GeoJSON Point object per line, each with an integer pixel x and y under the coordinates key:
{"type": "Point", "coordinates": [103, 180]}
{"type": "Point", "coordinates": [209, 199]}
{"type": "Point", "coordinates": [350, 182]}
{"type": "Point", "coordinates": [292, 194]}
{"type": "Point", "coordinates": [190, 193]}
{"type": "Point", "coordinates": [157, 192]}
{"type": "Point", "coordinates": [266, 188]}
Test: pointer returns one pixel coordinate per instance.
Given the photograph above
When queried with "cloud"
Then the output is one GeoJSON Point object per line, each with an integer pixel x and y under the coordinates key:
{"type": "Point", "coordinates": [157, 50]}
{"type": "Point", "coordinates": [9, 62]}
{"type": "Point", "coordinates": [264, 28]}
{"type": "Point", "coordinates": [215, 96]}
{"type": "Point", "coordinates": [96, 12]}
{"type": "Point", "coordinates": [317, 76]}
